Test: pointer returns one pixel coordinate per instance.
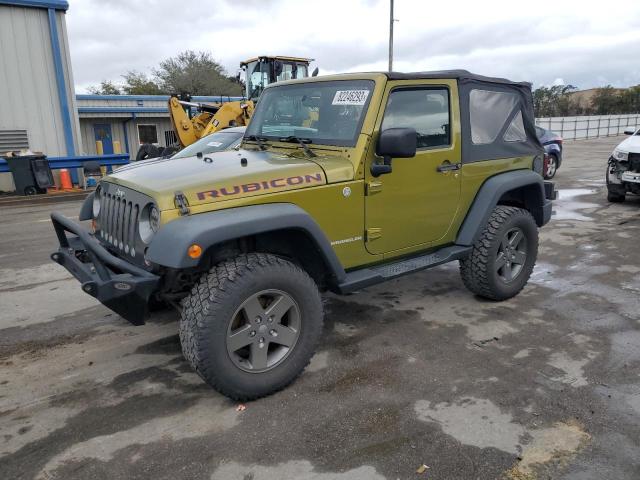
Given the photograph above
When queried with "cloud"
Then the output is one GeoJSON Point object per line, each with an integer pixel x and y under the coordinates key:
{"type": "Point", "coordinates": [570, 40]}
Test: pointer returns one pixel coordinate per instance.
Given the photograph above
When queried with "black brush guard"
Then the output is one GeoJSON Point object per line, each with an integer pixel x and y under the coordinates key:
{"type": "Point", "coordinates": [117, 284]}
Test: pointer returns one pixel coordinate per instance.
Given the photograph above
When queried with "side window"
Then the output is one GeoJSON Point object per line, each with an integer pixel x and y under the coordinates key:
{"type": "Point", "coordinates": [489, 111]}
{"type": "Point", "coordinates": [426, 110]}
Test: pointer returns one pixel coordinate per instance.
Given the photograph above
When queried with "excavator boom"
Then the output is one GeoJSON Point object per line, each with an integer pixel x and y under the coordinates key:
{"type": "Point", "coordinates": [210, 119]}
{"type": "Point", "coordinates": [259, 72]}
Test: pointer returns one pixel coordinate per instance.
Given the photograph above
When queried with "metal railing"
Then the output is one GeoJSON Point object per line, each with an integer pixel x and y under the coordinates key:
{"type": "Point", "coordinates": [593, 126]}
{"type": "Point", "coordinates": [108, 161]}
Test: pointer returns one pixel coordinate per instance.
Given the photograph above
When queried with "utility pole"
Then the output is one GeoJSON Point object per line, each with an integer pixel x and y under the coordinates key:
{"type": "Point", "coordinates": [391, 37]}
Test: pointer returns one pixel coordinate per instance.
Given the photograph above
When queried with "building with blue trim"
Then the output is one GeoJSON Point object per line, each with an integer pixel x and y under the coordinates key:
{"type": "Point", "coordinates": [129, 121]}
{"type": "Point", "coordinates": [38, 105]}
{"type": "Point", "coordinates": [39, 110]}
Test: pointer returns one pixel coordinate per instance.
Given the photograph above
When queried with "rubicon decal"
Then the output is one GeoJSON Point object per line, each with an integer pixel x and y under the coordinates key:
{"type": "Point", "coordinates": [275, 183]}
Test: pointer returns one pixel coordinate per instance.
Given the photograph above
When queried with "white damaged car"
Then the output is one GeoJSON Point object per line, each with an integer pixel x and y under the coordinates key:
{"type": "Point", "coordinates": [623, 169]}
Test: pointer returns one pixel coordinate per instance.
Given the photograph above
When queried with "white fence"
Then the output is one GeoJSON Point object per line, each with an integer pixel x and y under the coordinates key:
{"type": "Point", "coordinates": [594, 126]}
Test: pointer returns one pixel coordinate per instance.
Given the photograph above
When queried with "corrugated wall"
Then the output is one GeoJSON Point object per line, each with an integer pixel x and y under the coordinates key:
{"type": "Point", "coordinates": [117, 131]}
{"type": "Point", "coordinates": [28, 89]}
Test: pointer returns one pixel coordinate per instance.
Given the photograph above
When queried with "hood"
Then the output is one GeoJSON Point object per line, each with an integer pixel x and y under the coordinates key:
{"type": "Point", "coordinates": [630, 145]}
{"type": "Point", "coordinates": [226, 175]}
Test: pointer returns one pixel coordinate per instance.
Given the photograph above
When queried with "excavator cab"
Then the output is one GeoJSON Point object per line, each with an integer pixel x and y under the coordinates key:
{"type": "Point", "coordinates": [258, 72]}
{"type": "Point", "coordinates": [261, 71]}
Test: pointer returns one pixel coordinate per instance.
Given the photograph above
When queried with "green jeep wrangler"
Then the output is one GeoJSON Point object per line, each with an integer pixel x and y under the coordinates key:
{"type": "Point", "coordinates": [341, 182]}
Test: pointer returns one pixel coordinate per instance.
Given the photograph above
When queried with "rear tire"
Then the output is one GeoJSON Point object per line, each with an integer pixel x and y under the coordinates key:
{"type": "Point", "coordinates": [504, 255]}
{"type": "Point", "coordinates": [251, 325]}
{"type": "Point", "coordinates": [551, 167]}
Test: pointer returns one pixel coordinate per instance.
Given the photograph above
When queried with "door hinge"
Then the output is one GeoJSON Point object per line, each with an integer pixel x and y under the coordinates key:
{"type": "Point", "coordinates": [373, 233]}
{"type": "Point", "coordinates": [374, 187]}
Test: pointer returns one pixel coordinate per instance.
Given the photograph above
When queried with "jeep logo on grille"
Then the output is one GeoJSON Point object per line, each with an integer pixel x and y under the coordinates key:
{"type": "Point", "coordinates": [119, 193]}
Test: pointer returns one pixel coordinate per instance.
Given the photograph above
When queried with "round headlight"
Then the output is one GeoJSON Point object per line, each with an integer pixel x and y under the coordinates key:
{"type": "Point", "coordinates": [96, 202]}
{"type": "Point", "coordinates": [149, 222]}
{"type": "Point", "coordinates": [620, 155]}
{"type": "Point", "coordinates": [154, 219]}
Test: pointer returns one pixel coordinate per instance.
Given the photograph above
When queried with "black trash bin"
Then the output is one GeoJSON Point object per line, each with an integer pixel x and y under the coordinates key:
{"type": "Point", "coordinates": [31, 174]}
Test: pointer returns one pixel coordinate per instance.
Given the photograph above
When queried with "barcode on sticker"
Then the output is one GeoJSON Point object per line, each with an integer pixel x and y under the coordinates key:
{"type": "Point", "coordinates": [350, 97]}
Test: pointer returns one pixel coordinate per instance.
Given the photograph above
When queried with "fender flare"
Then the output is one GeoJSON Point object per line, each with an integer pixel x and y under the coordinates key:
{"type": "Point", "coordinates": [169, 246]}
{"type": "Point", "coordinates": [489, 195]}
{"type": "Point", "coordinates": [86, 210]}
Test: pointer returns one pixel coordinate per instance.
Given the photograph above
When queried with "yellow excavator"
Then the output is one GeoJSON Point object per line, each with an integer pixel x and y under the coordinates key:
{"type": "Point", "coordinates": [211, 117]}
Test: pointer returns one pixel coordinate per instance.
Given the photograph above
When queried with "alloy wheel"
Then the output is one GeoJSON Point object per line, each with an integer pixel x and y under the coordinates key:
{"type": "Point", "coordinates": [263, 331]}
{"type": "Point", "coordinates": [512, 255]}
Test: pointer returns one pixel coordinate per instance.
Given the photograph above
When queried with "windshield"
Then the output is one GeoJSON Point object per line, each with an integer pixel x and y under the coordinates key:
{"type": "Point", "coordinates": [216, 142]}
{"type": "Point", "coordinates": [328, 113]}
{"type": "Point", "coordinates": [257, 78]}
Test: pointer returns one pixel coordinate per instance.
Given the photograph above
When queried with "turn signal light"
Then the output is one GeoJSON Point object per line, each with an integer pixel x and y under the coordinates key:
{"type": "Point", "coordinates": [194, 251]}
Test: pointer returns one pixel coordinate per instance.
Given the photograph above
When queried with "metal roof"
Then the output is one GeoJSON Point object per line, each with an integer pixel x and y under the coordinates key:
{"type": "Point", "coordinates": [278, 57]}
{"type": "Point", "coordinates": [165, 98]}
{"type": "Point", "coordinates": [54, 4]}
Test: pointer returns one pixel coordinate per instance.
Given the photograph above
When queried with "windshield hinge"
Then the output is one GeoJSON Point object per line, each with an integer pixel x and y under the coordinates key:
{"type": "Point", "coordinates": [374, 187]}
{"type": "Point", "coordinates": [373, 233]}
{"type": "Point", "coordinates": [181, 203]}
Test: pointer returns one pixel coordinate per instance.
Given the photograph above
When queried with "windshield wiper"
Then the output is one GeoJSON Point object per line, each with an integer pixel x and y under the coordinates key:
{"type": "Point", "coordinates": [259, 140]}
{"type": "Point", "coordinates": [303, 143]}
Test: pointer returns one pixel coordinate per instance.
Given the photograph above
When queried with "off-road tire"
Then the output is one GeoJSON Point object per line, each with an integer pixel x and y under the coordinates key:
{"type": "Point", "coordinates": [615, 197]}
{"type": "Point", "coordinates": [147, 150]}
{"type": "Point", "coordinates": [211, 305]}
{"type": "Point", "coordinates": [478, 270]}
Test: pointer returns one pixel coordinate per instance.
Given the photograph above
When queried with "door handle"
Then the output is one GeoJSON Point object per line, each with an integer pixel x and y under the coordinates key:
{"type": "Point", "coordinates": [448, 167]}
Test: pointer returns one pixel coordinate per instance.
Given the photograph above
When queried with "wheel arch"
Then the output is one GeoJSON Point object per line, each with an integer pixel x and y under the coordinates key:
{"type": "Point", "coordinates": [519, 188]}
{"type": "Point", "coordinates": [279, 228]}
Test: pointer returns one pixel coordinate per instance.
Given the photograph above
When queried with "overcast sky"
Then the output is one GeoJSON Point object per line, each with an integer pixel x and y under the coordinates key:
{"type": "Point", "coordinates": [583, 43]}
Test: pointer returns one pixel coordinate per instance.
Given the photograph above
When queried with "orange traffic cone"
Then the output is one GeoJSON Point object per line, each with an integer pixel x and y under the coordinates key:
{"type": "Point", "coordinates": [65, 179]}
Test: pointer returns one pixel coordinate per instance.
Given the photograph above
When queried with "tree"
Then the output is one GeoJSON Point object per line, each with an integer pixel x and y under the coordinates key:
{"type": "Point", "coordinates": [196, 73]}
{"type": "Point", "coordinates": [554, 101]}
{"type": "Point", "coordinates": [630, 100]}
{"type": "Point", "coordinates": [106, 87]}
{"type": "Point", "coordinates": [606, 101]}
{"type": "Point", "coordinates": [137, 83]}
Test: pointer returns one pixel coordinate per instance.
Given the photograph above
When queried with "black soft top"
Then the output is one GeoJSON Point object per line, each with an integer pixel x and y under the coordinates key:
{"type": "Point", "coordinates": [458, 74]}
{"type": "Point", "coordinates": [497, 116]}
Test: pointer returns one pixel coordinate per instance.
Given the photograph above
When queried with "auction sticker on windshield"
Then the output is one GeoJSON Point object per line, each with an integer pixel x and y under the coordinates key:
{"type": "Point", "coordinates": [350, 97]}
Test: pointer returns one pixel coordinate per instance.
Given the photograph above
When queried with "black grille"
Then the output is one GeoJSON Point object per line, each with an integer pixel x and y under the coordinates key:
{"type": "Point", "coordinates": [634, 162]}
{"type": "Point", "coordinates": [118, 218]}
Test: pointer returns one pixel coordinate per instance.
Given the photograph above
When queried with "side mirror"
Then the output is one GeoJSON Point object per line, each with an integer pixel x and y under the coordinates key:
{"type": "Point", "coordinates": [394, 143]}
{"type": "Point", "coordinates": [629, 131]}
{"type": "Point", "coordinates": [315, 72]}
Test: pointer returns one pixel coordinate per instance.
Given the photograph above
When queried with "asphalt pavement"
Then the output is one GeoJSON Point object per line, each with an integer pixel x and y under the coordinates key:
{"type": "Point", "coordinates": [413, 372]}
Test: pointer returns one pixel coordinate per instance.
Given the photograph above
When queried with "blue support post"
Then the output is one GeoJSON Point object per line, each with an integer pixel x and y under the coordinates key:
{"type": "Point", "coordinates": [61, 84]}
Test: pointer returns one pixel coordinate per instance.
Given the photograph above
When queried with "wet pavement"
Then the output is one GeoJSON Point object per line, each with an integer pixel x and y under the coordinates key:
{"type": "Point", "coordinates": [413, 372]}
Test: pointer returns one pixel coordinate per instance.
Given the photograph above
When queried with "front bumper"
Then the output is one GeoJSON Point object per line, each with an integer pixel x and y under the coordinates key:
{"type": "Point", "coordinates": [117, 284]}
{"type": "Point", "coordinates": [550, 194]}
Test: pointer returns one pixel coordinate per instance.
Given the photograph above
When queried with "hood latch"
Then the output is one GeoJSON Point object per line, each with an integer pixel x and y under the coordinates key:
{"type": "Point", "coordinates": [181, 203]}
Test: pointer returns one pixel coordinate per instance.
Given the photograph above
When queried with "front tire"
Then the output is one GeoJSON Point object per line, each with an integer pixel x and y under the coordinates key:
{"type": "Point", "coordinates": [615, 197]}
{"type": "Point", "coordinates": [615, 192]}
{"type": "Point", "coordinates": [504, 255]}
{"type": "Point", "coordinates": [251, 325]}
